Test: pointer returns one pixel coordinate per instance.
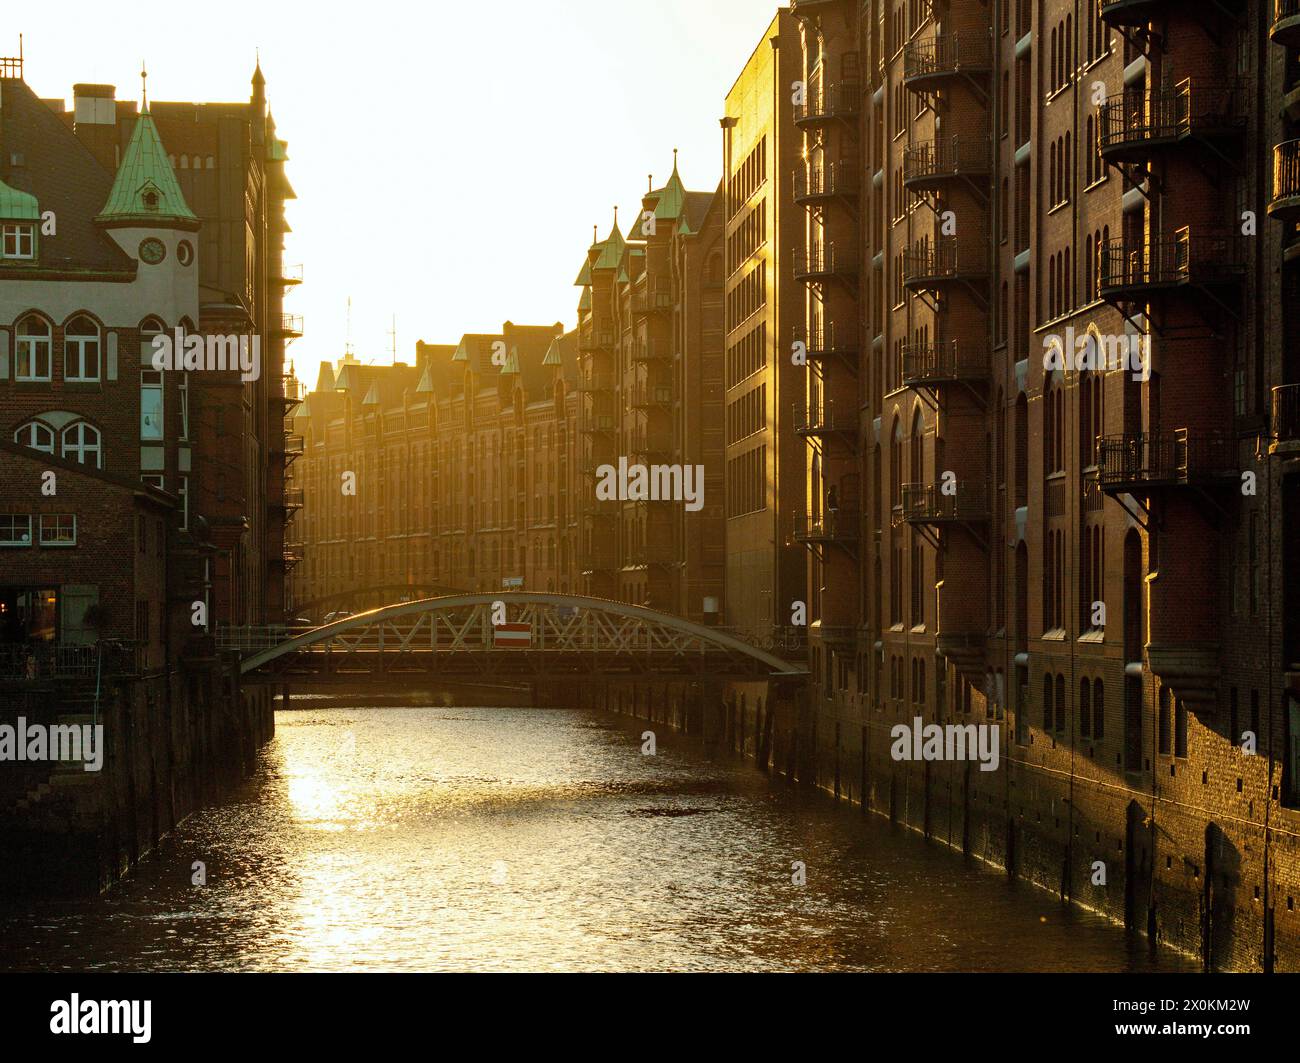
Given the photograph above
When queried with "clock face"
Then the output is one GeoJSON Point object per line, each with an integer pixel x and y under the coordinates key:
{"type": "Point", "coordinates": [185, 252]}
{"type": "Point", "coordinates": [152, 251]}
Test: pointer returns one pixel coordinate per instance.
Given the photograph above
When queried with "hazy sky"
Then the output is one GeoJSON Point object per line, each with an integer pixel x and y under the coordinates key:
{"type": "Point", "coordinates": [450, 159]}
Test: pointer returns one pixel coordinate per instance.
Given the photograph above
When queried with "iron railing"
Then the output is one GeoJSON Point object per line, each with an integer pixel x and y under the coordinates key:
{"type": "Point", "coordinates": [947, 258]}
{"type": "Point", "coordinates": [829, 260]}
{"type": "Point", "coordinates": [1182, 456]}
{"type": "Point", "coordinates": [1190, 108]}
{"type": "Point", "coordinates": [840, 178]}
{"type": "Point", "coordinates": [963, 502]}
{"type": "Point", "coordinates": [838, 525]}
{"type": "Point", "coordinates": [817, 418]}
{"type": "Point", "coordinates": [1285, 419]}
{"type": "Point", "coordinates": [954, 156]}
{"type": "Point", "coordinates": [1168, 260]}
{"type": "Point", "coordinates": [828, 340]}
{"type": "Point", "coordinates": [841, 99]}
{"type": "Point", "coordinates": [948, 53]}
{"type": "Point", "coordinates": [1286, 169]}
{"type": "Point", "coordinates": [937, 362]}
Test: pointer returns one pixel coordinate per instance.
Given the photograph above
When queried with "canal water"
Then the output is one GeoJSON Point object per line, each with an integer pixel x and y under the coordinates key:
{"type": "Point", "coordinates": [382, 839]}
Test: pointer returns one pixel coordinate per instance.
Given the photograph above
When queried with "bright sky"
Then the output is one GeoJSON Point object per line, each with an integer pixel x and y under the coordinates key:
{"type": "Point", "coordinates": [450, 159]}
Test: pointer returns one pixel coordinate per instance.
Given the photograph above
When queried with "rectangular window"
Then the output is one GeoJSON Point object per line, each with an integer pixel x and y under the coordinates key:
{"type": "Point", "coordinates": [15, 529]}
{"type": "Point", "coordinates": [151, 404]}
{"type": "Point", "coordinates": [185, 405]}
{"type": "Point", "coordinates": [19, 241]}
{"type": "Point", "coordinates": [184, 494]}
{"type": "Point", "coordinates": [58, 529]}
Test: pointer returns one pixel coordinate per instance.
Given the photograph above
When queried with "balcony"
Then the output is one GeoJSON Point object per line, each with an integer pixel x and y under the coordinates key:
{"type": "Point", "coordinates": [291, 555]}
{"type": "Point", "coordinates": [817, 184]}
{"type": "Point", "coordinates": [824, 419]}
{"type": "Point", "coordinates": [652, 396]}
{"type": "Point", "coordinates": [292, 448]}
{"type": "Point", "coordinates": [650, 444]}
{"type": "Point", "coordinates": [592, 340]}
{"type": "Point", "coordinates": [652, 351]}
{"type": "Point", "coordinates": [1285, 27]}
{"type": "Point", "coordinates": [932, 164]}
{"type": "Point", "coordinates": [1285, 421]}
{"type": "Point", "coordinates": [833, 526]}
{"type": "Point", "coordinates": [1171, 262]}
{"type": "Point", "coordinates": [930, 505]}
{"type": "Point", "coordinates": [820, 264]}
{"type": "Point", "coordinates": [828, 342]}
{"type": "Point", "coordinates": [949, 260]}
{"type": "Point", "coordinates": [837, 101]}
{"type": "Point", "coordinates": [950, 362]}
{"type": "Point", "coordinates": [1133, 125]}
{"type": "Point", "coordinates": [593, 383]}
{"type": "Point", "coordinates": [600, 422]}
{"type": "Point", "coordinates": [290, 327]}
{"type": "Point", "coordinates": [1181, 458]}
{"type": "Point", "coordinates": [289, 275]}
{"type": "Point", "coordinates": [1120, 13]}
{"type": "Point", "coordinates": [292, 499]}
{"type": "Point", "coordinates": [928, 63]}
{"type": "Point", "coordinates": [290, 394]}
{"type": "Point", "coordinates": [1285, 204]}
{"type": "Point", "coordinates": [658, 300]}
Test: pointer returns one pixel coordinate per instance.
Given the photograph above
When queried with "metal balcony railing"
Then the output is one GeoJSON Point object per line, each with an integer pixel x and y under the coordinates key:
{"type": "Point", "coordinates": [657, 300]}
{"type": "Point", "coordinates": [651, 396]}
{"type": "Point", "coordinates": [948, 157]}
{"type": "Point", "coordinates": [294, 498]}
{"type": "Point", "coordinates": [948, 258]}
{"type": "Point", "coordinates": [290, 326]}
{"type": "Point", "coordinates": [1136, 120]}
{"type": "Point", "coordinates": [824, 418]}
{"type": "Point", "coordinates": [840, 178]}
{"type": "Point", "coordinates": [946, 55]}
{"type": "Point", "coordinates": [831, 260]}
{"type": "Point", "coordinates": [1285, 419]}
{"type": "Point", "coordinates": [1285, 27]}
{"type": "Point", "coordinates": [831, 526]}
{"type": "Point", "coordinates": [840, 99]}
{"type": "Point", "coordinates": [962, 503]}
{"type": "Point", "coordinates": [1175, 458]}
{"type": "Point", "coordinates": [293, 446]}
{"type": "Point", "coordinates": [652, 351]}
{"type": "Point", "coordinates": [1170, 261]}
{"type": "Point", "coordinates": [596, 382]}
{"type": "Point", "coordinates": [596, 340]}
{"type": "Point", "coordinates": [290, 275]}
{"type": "Point", "coordinates": [947, 362]}
{"type": "Point", "coordinates": [829, 340]}
{"type": "Point", "coordinates": [1286, 178]}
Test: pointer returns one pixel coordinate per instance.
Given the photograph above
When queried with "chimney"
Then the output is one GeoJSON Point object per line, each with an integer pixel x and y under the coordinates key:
{"type": "Point", "coordinates": [94, 109]}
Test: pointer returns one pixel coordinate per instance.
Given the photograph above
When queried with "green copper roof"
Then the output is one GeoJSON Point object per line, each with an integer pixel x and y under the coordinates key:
{"type": "Point", "coordinates": [611, 251]}
{"type": "Point", "coordinates": [623, 278]}
{"type": "Point", "coordinates": [461, 355]}
{"type": "Point", "coordinates": [584, 275]}
{"type": "Point", "coordinates": [425, 386]}
{"type": "Point", "coordinates": [16, 205]}
{"type": "Point", "coordinates": [325, 377]}
{"type": "Point", "coordinates": [145, 189]}
{"type": "Point", "coordinates": [584, 301]}
{"type": "Point", "coordinates": [553, 354]}
{"type": "Point", "coordinates": [511, 368]}
{"type": "Point", "coordinates": [372, 396]}
{"type": "Point", "coordinates": [277, 150]}
{"type": "Point", "coordinates": [672, 199]}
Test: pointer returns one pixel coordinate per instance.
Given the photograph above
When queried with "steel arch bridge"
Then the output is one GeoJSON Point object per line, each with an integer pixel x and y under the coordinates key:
{"type": "Point", "coordinates": [544, 636]}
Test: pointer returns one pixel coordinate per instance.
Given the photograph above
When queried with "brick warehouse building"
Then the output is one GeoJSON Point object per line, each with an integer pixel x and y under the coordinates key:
{"type": "Point", "coordinates": [115, 475]}
{"type": "Point", "coordinates": [1089, 556]}
{"type": "Point", "coordinates": [465, 472]}
{"type": "Point", "coordinates": [650, 321]}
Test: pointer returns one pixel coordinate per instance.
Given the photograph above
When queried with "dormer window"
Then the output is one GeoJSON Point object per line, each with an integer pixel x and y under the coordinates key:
{"type": "Point", "coordinates": [19, 240]}
{"type": "Point", "coordinates": [150, 198]}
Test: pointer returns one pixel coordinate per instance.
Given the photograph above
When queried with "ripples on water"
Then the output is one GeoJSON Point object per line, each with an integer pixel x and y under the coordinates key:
{"type": "Point", "coordinates": [541, 839]}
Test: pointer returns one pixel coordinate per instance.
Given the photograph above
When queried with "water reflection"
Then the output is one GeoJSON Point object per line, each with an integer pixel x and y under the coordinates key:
{"type": "Point", "coordinates": [541, 839]}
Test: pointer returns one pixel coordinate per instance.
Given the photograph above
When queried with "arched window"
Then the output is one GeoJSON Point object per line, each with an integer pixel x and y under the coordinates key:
{"type": "Point", "coordinates": [33, 346]}
{"type": "Point", "coordinates": [36, 435]}
{"type": "Point", "coordinates": [81, 442]}
{"type": "Point", "coordinates": [81, 347]}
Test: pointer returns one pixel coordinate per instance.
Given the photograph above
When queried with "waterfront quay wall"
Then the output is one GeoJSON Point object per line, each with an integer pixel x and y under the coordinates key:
{"type": "Point", "coordinates": [1197, 856]}
{"type": "Point", "coordinates": [173, 742]}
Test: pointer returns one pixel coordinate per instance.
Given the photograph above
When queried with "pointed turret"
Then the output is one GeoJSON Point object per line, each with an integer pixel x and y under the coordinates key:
{"type": "Point", "coordinates": [145, 191]}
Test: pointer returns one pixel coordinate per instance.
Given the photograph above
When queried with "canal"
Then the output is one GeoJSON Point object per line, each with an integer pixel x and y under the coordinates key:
{"type": "Point", "coordinates": [382, 839]}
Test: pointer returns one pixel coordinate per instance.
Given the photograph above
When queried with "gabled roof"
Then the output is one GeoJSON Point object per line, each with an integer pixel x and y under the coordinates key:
{"type": "Point", "coordinates": [611, 251]}
{"type": "Point", "coordinates": [42, 157]}
{"type": "Point", "coordinates": [145, 191]}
